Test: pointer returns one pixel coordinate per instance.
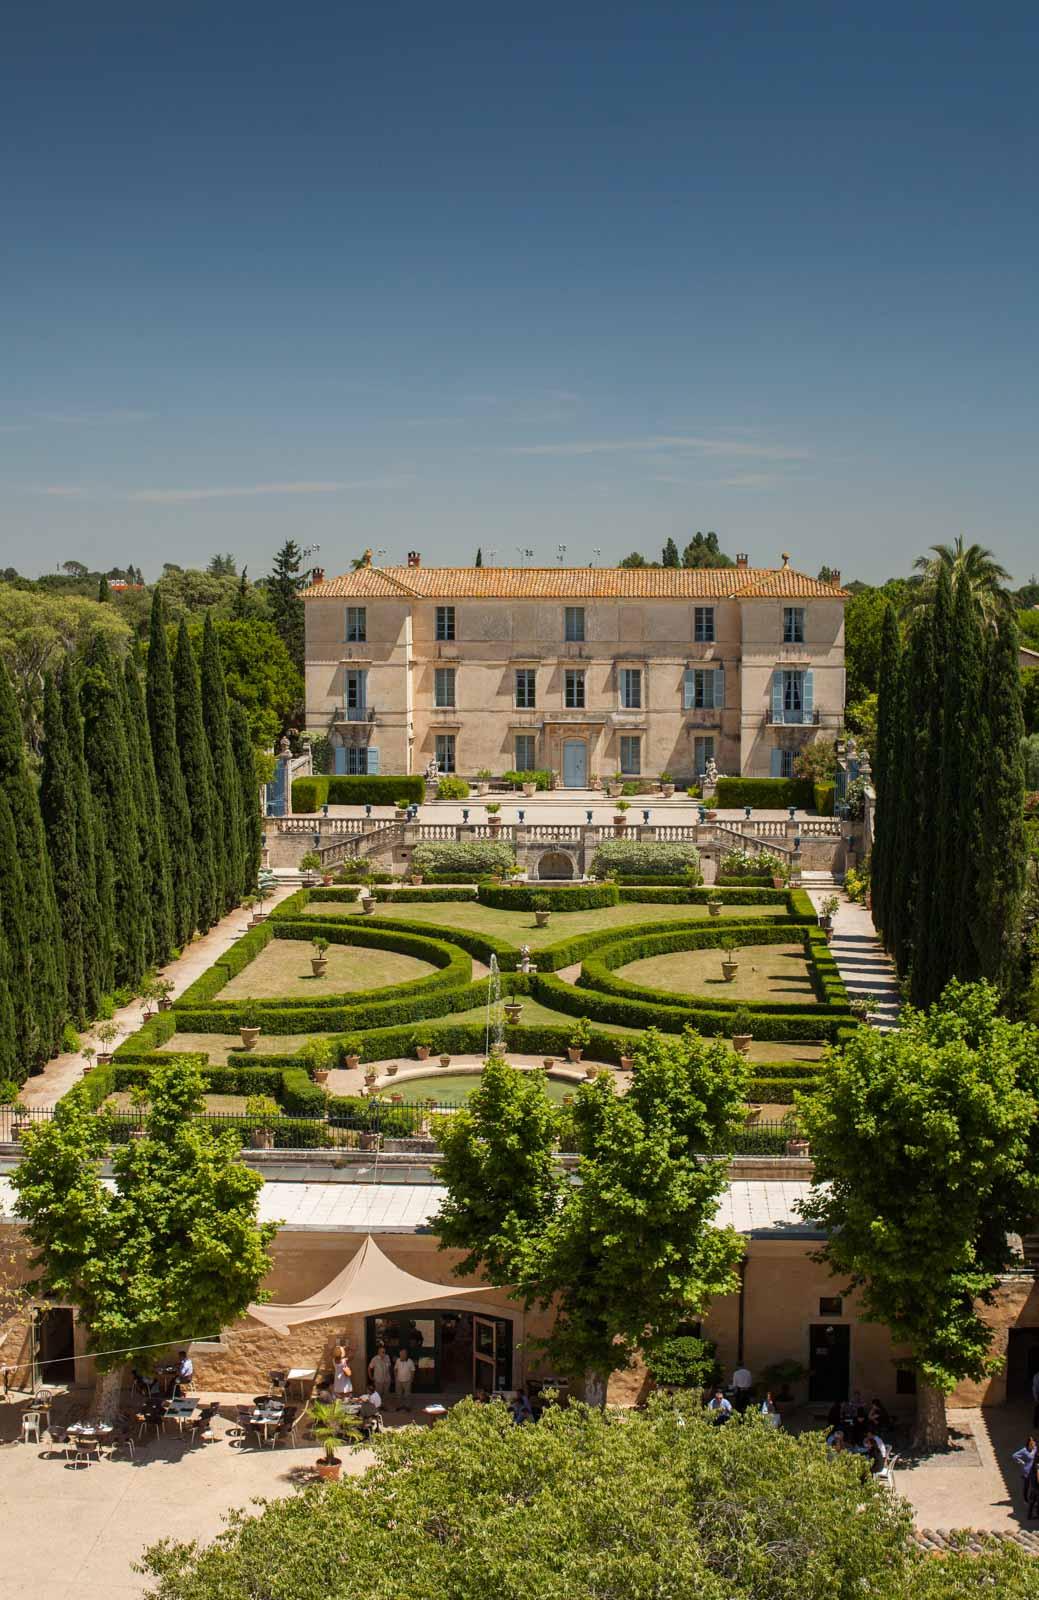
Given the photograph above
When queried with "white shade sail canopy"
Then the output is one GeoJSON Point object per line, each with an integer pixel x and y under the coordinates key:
{"type": "Point", "coordinates": [368, 1284]}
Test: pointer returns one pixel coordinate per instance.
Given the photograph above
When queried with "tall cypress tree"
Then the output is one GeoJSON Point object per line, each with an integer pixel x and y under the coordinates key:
{"type": "Point", "coordinates": [169, 778]}
{"type": "Point", "coordinates": [47, 977]}
{"type": "Point", "coordinates": [111, 783]}
{"type": "Point", "coordinates": [231, 865]}
{"type": "Point", "coordinates": [155, 861]}
{"type": "Point", "coordinates": [95, 868]}
{"type": "Point", "coordinates": [198, 779]}
{"type": "Point", "coordinates": [58, 808]}
{"type": "Point", "coordinates": [252, 822]}
{"type": "Point", "coordinates": [957, 809]}
{"type": "Point", "coordinates": [15, 919]}
{"type": "Point", "coordinates": [971, 647]}
{"type": "Point", "coordinates": [1000, 842]}
{"type": "Point", "coordinates": [902, 875]}
{"type": "Point", "coordinates": [9, 1063]}
{"type": "Point", "coordinates": [882, 855]}
{"type": "Point", "coordinates": [930, 929]}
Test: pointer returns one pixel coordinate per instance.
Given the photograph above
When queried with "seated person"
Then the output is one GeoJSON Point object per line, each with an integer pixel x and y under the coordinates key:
{"type": "Point", "coordinates": [875, 1451]}
{"type": "Point", "coordinates": [370, 1412]}
{"type": "Point", "coordinates": [879, 1416]}
{"type": "Point", "coordinates": [185, 1373]}
{"type": "Point", "coordinates": [521, 1409]}
{"type": "Point", "coordinates": [835, 1441]}
{"type": "Point", "coordinates": [720, 1408]}
{"type": "Point", "coordinates": [857, 1429]}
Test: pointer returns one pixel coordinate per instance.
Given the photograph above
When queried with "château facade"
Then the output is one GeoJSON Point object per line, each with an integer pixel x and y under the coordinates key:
{"type": "Point", "coordinates": [588, 671]}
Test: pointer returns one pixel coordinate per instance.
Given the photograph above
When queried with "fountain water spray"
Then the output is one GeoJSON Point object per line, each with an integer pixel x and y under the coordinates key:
{"type": "Point", "coordinates": [494, 1033]}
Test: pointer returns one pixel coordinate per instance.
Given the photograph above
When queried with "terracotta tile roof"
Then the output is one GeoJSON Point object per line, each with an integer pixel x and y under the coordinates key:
{"type": "Point", "coordinates": [574, 583]}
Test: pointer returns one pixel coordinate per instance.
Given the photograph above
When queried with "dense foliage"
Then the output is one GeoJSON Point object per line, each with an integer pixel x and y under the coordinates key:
{"type": "Point", "coordinates": [629, 858]}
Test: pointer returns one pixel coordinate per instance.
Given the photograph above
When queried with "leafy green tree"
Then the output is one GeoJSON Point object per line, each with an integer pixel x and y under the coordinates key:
{"type": "Point", "coordinates": [187, 594]}
{"type": "Point", "coordinates": [1000, 842]}
{"type": "Point", "coordinates": [97, 892]}
{"type": "Point", "coordinates": [629, 1251]}
{"type": "Point", "coordinates": [172, 1252]}
{"type": "Point", "coordinates": [46, 997]}
{"type": "Point", "coordinates": [864, 634]}
{"type": "Point", "coordinates": [702, 551]}
{"type": "Point", "coordinates": [169, 777]}
{"type": "Point", "coordinates": [155, 860]}
{"type": "Point", "coordinates": [197, 767]}
{"type": "Point", "coordinates": [244, 754]}
{"type": "Point", "coordinates": [222, 566]}
{"type": "Point", "coordinates": [258, 674]}
{"type": "Point", "coordinates": [975, 565]}
{"type": "Point", "coordinates": [634, 560]}
{"type": "Point", "coordinates": [60, 822]}
{"type": "Point", "coordinates": [227, 789]}
{"type": "Point", "coordinates": [669, 556]}
{"type": "Point", "coordinates": [860, 717]}
{"type": "Point", "coordinates": [658, 1505]}
{"type": "Point", "coordinates": [283, 594]}
{"type": "Point", "coordinates": [925, 1143]}
{"type": "Point", "coordinates": [119, 833]}
{"type": "Point", "coordinates": [37, 632]}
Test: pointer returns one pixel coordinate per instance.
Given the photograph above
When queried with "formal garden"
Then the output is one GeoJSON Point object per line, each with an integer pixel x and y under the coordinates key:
{"type": "Point", "coordinates": [352, 1013]}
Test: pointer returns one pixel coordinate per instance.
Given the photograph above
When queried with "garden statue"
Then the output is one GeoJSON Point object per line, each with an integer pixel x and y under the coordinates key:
{"type": "Point", "coordinates": [524, 958]}
{"type": "Point", "coordinates": [711, 775]}
{"type": "Point", "coordinates": [433, 771]}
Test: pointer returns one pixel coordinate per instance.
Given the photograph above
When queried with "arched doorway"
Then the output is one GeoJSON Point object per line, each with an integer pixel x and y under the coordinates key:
{"type": "Point", "coordinates": [555, 864]}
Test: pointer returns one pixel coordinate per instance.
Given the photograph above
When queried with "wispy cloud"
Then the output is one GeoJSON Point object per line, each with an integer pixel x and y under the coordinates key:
{"type": "Point", "coordinates": [755, 480]}
{"type": "Point", "coordinates": [735, 448]}
{"type": "Point", "coordinates": [89, 419]}
{"type": "Point", "coordinates": [216, 492]}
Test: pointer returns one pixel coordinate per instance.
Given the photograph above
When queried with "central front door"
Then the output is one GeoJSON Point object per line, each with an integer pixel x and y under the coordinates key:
{"type": "Point", "coordinates": [829, 1360]}
{"type": "Point", "coordinates": [485, 1354]}
{"type": "Point", "coordinates": [575, 764]}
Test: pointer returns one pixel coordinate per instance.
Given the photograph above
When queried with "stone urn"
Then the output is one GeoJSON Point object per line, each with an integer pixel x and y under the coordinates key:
{"type": "Point", "coordinates": [741, 1043]}
{"type": "Point", "coordinates": [391, 1069]}
{"type": "Point", "coordinates": [249, 1037]}
{"type": "Point", "coordinates": [494, 823]}
{"type": "Point", "coordinates": [513, 1010]}
{"type": "Point", "coordinates": [445, 1061]}
{"type": "Point", "coordinates": [541, 918]}
{"type": "Point", "coordinates": [367, 904]}
{"type": "Point", "coordinates": [667, 790]}
{"type": "Point", "coordinates": [529, 789]}
{"type": "Point", "coordinates": [714, 908]}
{"type": "Point", "coordinates": [319, 965]}
{"type": "Point", "coordinates": [729, 969]}
{"type": "Point", "coordinates": [620, 825]}
{"type": "Point", "coordinates": [262, 1139]}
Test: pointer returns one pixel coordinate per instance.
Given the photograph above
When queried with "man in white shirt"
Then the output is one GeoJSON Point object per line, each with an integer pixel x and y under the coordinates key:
{"type": "Point", "coordinates": [742, 1384]}
{"type": "Point", "coordinates": [404, 1377]}
{"type": "Point", "coordinates": [185, 1373]}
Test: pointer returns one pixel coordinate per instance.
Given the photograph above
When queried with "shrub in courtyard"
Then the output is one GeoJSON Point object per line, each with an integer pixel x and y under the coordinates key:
{"type": "Point", "coordinates": [452, 788]}
{"type": "Point", "coordinates": [631, 859]}
{"type": "Point", "coordinates": [768, 794]}
{"type": "Point", "coordinates": [541, 779]}
{"type": "Point", "coordinates": [480, 856]}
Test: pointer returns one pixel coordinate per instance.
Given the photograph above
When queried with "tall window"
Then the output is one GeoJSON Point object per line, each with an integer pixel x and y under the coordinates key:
{"type": "Point", "coordinates": [444, 686]}
{"type": "Point", "coordinates": [793, 695]}
{"type": "Point", "coordinates": [573, 624]}
{"type": "Point", "coordinates": [356, 759]}
{"type": "Point", "coordinates": [703, 688]}
{"type": "Point", "coordinates": [445, 751]}
{"type": "Point", "coordinates": [356, 624]}
{"type": "Point", "coordinates": [356, 696]}
{"type": "Point", "coordinates": [631, 688]}
{"type": "Point", "coordinates": [445, 622]}
{"type": "Point", "coordinates": [525, 752]}
{"type": "Point", "coordinates": [573, 690]}
{"type": "Point", "coordinates": [793, 625]}
{"type": "Point", "coordinates": [631, 754]}
{"type": "Point", "coordinates": [703, 624]}
{"type": "Point", "coordinates": [525, 680]}
{"type": "Point", "coordinates": [786, 763]}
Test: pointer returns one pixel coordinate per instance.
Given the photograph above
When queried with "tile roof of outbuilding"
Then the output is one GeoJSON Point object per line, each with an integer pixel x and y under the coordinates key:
{"type": "Point", "coordinates": [574, 583]}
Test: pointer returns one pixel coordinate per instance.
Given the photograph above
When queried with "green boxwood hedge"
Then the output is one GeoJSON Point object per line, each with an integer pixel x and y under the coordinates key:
{"type": "Point", "coordinates": [770, 794]}
{"type": "Point", "coordinates": [418, 894]}
{"type": "Point", "coordinates": [308, 794]}
{"type": "Point", "coordinates": [824, 795]}
{"type": "Point", "coordinates": [629, 856]}
{"type": "Point", "coordinates": [481, 856]}
{"type": "Point", "coordinates": [624, 1013]}
{"type": "Point", "coordinates": [572, 897]}
{"type": "Point", "coordinates": [742, 880]}
{"type": "Point", "coordinates": [541, 778]}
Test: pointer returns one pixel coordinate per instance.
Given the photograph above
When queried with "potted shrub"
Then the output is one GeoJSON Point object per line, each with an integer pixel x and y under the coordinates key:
{"type": "Point", "coordinates": [310, 866]}
{"type": "Point", "coordinates": [667, 787]}
{"type": "Point", "coordinates": [541, 904]}
{"type": "Point", "coordinates": [422, 1040]}
{"type": "Point", "coordinates": [333, 1425]}
{"type": "Point", "coordinates": [578, 1037]}
{"type": "Point", "coordinates": [368, 896]}
{"type": "Point", "coordinates": [730, 959]}
{"type": "Point", "coordinates": [592, 1071]}
{"type": "Point", "coordinates": [88, 1055]}
{"type": "Point", "coordinates": [370, 1077]}
{"type": "Point", "coordinates": [796, 1144]}
{"type": "Point", "coordinates": [741, 1031]}
{"type": "Point", "coordinates": [494, 815]}
{"type": "Point", "coordinates": [513, 1009]}
{"type": "Point", "coordinates": [827, 911]}
{"type": "Point", "coordinates": [106, 1036]}
{"type": "Point", "coordinates": [483, 778]}
{"type": "Point", "coordinates": [714, 906]}
{"type": "Point", "coordinates": [319, 962]}
{"type": "Point", "coordinates": [628, 1054]}
{"type": "Point", "coordinates": [262, 1112]}
{"type": "Point", "coordinates": [164, 993]}
{"type": "Point", "coordinates": [351, 1051]}
{"type": "Point", "coordinates": [620, 821]}
{"type": "Point", "coordinates": [250, 1025]}
{"type": "Point", "coordinates": [263, 890]}
{"type": "Point", "coordinates": [320, 1055]}
{"type": "Point", "coordinates": [445, 1060]}
{"type": "Point", "coordinates": [139, 1101]}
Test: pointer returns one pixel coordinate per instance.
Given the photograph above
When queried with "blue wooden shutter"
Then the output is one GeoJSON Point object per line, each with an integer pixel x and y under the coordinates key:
{"type": "Point", "coordinates": [340, 759]}
{"type": "Point", "coordinates": [808, 694]}
{"type": "Point", "coordinates": [373, 761]}
{"type": "Point", "coordinates": [777, 696]}
{"type": "Point", "coordinates": [777, 763]}
{"type": "Point", "coordinates": [688, 689]}
{"type": "Point", "coordinates": [719, 688]}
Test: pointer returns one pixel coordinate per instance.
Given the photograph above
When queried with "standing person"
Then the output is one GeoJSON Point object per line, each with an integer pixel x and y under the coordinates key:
{"type": "Point", "coordinates": [379, 1370]}
{"type": "Point", "coordinates": [342, 1382]}
{"type": "Point", "coordinates": [185, 1373]}
{"type": "Point", "coordinates": [403, 1377]}
{"type": "Point", "coordinates": [1026, 1458]}
{"type": "Point", "coordinates": [742, 1384]}
{"type": "Point", "coordinates": [770, 1411]}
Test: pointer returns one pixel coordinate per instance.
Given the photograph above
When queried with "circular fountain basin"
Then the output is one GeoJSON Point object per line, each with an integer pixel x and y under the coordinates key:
{"type": "Point", "coordinates": [451, 1086]}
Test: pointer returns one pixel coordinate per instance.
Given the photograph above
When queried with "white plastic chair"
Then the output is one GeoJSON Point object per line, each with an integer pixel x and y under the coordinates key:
{"type": "Point", "coordinates": [31, 1425]}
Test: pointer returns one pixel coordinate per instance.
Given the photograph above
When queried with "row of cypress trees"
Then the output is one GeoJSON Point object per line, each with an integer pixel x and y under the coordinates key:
{"type": "Point", "coordinates": [144, 828]}
{"type": "Point", "coordinates": [949, 862]}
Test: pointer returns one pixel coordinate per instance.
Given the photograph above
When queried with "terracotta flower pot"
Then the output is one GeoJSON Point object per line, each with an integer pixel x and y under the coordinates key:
{"type": "Point", "coordinates": [627, 1063]}
{"type": "Point", "coordinates": [262, 1139]}
{"type": "Point", "coordinates": [351, 1062]}
{"type": "Point", "coordinates": [798, 1147]}
{"type": "Point", "coordinates": [326, 879]}
{"type": "Point", "coordinates": [329, 1470]}
{"type": "Point", "coordinates": [321, 1075]}
{"type": "Point", "coordinates": [778, 881]}
{"type": "Point", "coordinates": [320, 965]}
{"type": "Point", "coordinates": [416, 878]}
{"type": "Point", "coordinates": [714, 908]}
{"type": "Point", "coordinates": [548, 1062]}
{"type": "Point", "coordinates": [575, 1051]}
{"type": "Point", "coordinates": [445, 1061]}
{"type": "Point", "coordinates": [741, 1042]}
{"type": "Point", "coordinates": [591, 1071]}
{"type": "Point", "coordinates": [422, 1051]}
{"type": "Point", "coordinates": [729, 970]}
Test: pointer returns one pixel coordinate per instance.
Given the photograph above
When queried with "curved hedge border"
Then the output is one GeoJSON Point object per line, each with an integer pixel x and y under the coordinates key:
{"type": "Point", "coordinates": [417, 894]}
{"type": "Point", "coordinates": [625, 1013]}
{"type": "Point", "coordinates": [521, 896]}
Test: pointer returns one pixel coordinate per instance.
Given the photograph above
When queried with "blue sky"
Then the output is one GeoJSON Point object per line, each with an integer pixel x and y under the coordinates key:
{"type": "Point", "coordinates": [418, 277]}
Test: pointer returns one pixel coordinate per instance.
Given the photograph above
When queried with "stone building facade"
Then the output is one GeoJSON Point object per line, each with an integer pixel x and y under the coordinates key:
{"type": "Point", "coordinates": [588, 671]}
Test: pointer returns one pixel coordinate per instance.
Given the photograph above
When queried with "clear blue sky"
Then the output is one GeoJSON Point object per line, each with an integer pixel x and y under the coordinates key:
{"type": "Point", "coordinates": [428, 277]}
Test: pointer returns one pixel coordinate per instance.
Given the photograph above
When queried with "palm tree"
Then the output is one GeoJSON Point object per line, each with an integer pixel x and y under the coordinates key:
{"type": "Point", "coordinates": [980, 567]}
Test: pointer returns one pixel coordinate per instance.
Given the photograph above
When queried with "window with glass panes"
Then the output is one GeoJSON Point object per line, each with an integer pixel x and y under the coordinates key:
{"type": "Point", "coordinates": [445, 622]}
{"type": "Point", "coordinates": [631, 688]}
{"type": "Point", "coordinates": [703, 624]}
{"type": "Point", "coordinates": [356, 757]}
{"type": "Point", "coordinates": [573, 689]}
{"type": "Point", "coordinates": [793, 625]}
{"type": "Point", "coordinates": [703, 689]}
{"type": "Point", "coordinates": [356, 624]}
{"type": "Point", "coordinates": [703, 751]}
{"type": "Point", "coordinates": [444, 686]}
{"type": "Point", "coordinates": [786, 763]}
{"type": "Point", "coordinates": [631, 754]}
{"type": "Point", "coordinates": [445, 751]}
{"type": "Point", "coordinates": [573, 624]}
{"type": "Point", "coordinates": [525, 680]}
{"type": "Point", "coordinates": [525, 752]}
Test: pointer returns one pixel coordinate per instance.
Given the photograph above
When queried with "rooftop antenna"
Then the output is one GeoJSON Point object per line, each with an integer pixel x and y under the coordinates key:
{"type": "Point", "coordinates": [597, 552]}
{"type": "Point", "coordinates": [380, 552]}
{"type": "Point", "coordinates": [525, 553]}
{"type": "Point", "coordinates": [492, 554]}
{"type": "Point", "coordinates": [562, 553]}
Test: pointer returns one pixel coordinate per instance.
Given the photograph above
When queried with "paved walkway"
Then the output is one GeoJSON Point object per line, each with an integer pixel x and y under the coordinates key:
{"type": "Point", "coordinates": [861, 959]}
{"type": "Point", "coordinates": [58, 1076]}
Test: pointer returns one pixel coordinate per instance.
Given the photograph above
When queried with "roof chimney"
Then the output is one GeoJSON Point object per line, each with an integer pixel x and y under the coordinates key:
{"type": "Point", "coordinates": [741, 559]}
{"type": "Point", "coordinates": [835, 577]}
{"type": "Point", "coordinates": [414, 558]}
{"type": "Point", "coordinates": [317, 575]}
{"type": "Point", "coordinates": [366, 559]}
{"type": "Point", "coordinates": [786, 559]}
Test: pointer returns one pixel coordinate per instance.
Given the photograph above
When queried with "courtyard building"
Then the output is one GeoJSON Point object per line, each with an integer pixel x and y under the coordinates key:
{"type": "Point", "coordinates": [584, 671]}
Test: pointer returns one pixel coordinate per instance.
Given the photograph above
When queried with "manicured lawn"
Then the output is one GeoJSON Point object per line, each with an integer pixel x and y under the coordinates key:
{"type": "Point", "coordinates": [283, 969]}
{"type": "Point", "coordinates": [224, 1047]}
{"type": "Point", "coordinates": [766, 972]}
{"type": "Point", "coordinates": [519, 927]}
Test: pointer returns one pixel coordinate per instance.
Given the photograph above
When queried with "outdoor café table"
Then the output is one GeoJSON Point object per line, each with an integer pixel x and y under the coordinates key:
{"type": "Point", "coordinates": [181, 1412]}
{"type": "Point", "coordinates": [92, 1433]}
{"type": "Point", "coordinates": [300, 1375]}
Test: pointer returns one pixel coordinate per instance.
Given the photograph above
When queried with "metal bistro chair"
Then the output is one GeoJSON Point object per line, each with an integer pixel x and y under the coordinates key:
{"type": "Point", "coordinates": [202, 1422]}
{"type": "Point", "coordinates": [121, 1437]}
{"type": "Point", "coordinates": [82, 1446]}
{"type": "Point", "coordinates": [31, 1424]}
{"type": "Point", "coordinates": [287, 1426]}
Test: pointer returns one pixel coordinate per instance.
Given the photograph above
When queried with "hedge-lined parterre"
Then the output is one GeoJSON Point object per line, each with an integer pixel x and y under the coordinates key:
{"type": "Point", "coordinates": [533, 896]}
{"type": "Point", "coordinates": [310, 793]}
